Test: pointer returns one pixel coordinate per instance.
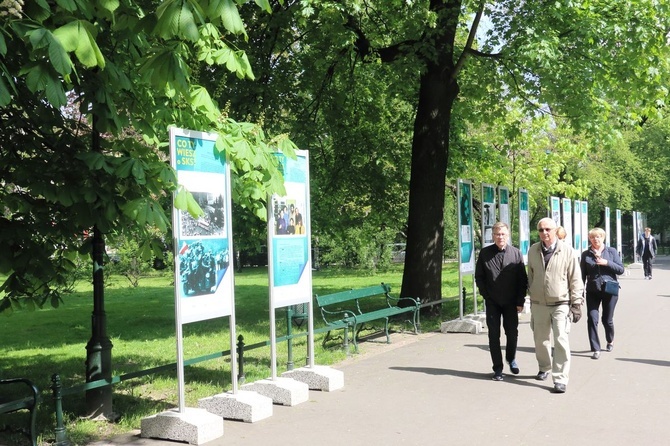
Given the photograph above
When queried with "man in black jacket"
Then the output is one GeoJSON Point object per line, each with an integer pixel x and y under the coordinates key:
{"type": "Point", "coordinates": [500, 275]}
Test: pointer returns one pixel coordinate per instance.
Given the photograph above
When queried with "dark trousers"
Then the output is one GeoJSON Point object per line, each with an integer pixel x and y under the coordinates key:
{"type": "Point", "coordinates": [593, 301]}
{"type": "Point", "coordinates": [646, 265]}
{"type": "Point", "coordinates": [510, 322]}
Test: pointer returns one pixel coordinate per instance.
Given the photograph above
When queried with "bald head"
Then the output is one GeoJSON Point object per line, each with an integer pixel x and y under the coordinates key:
{"type": "Point", "coordinates": [546, 229]}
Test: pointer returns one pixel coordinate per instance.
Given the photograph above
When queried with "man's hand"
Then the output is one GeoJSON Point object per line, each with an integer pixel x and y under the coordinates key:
{"type": "Point", "coordinates": [576, 312]}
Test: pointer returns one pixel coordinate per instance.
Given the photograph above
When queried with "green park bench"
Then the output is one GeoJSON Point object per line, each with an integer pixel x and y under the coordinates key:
{"type": "Point", "coordinates": [351, 310]}
{"type": "Point", "coordinates": [28, 402]}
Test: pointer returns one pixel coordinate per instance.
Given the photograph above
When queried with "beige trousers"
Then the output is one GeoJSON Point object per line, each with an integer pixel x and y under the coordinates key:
{"type": "Point", "coordinates": [545, 321]}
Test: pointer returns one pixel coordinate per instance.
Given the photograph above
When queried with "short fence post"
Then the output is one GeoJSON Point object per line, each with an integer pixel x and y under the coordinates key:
{"type": "Point", "coordinates": [465, 294]}
{"type": "Point", "coordinates": [289, 337]}
{"type": "Point", "coordinates": [61, 435]}
{"type": "Point", "coordinates": [240, 357]}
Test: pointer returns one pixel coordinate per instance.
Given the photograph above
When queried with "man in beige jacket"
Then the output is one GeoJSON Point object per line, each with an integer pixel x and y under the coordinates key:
{"type": "Point", "coordinates": [556, 290]}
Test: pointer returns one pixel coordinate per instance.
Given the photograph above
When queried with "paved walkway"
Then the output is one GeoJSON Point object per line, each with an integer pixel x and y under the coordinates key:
{"type": "Point", "coordinates": [436, 389]}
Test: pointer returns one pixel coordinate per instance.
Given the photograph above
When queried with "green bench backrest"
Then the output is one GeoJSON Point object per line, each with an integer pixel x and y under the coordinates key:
{"type": "Point", "coordinates": [345, 296]}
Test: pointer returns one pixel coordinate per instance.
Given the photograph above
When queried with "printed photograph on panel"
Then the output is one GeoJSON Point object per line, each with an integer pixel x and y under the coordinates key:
{"type": "Point", "coordinates": [211, 223]}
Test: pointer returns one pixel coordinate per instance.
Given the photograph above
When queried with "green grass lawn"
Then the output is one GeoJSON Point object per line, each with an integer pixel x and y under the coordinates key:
{"type": "Point", "coordinates": [140, 323]}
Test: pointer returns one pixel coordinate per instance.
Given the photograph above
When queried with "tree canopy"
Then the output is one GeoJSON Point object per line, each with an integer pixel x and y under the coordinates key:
{"type": "Point", "coordinates": [87, 93]}
{"type": "Point", "coordinates": [395, 100]}
{"type": "Point", "coordinates": [411, 87]}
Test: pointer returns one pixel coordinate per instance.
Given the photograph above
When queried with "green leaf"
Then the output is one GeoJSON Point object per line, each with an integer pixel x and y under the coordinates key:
{"type": "Point", "coordinates": [65, 197]}
{"type": "Point", "coordinates": [7, 86]}
{"type": "Point", "coordinates": [146, 253]}
{"type": "Point", "coordinates": [261, 213]}
{"type": "Point", "coordinates": [55, 301]}
{"type": "Point", "coordinates": [167, 175]}
{"type": "Point", "coordinates": [77, 36]}
{"type": "Point", "coordinates": [90, 196]}
{"type": "Point", "coordinates": [123, 171]}
{"type": "Point", "coordinates": [109, 5]}
{"type": "Point", "coordinates": [37, 78]}
{"type": "Point", "coordinates": [132, 209]}
{"type": "Point", "coordinates": [222, 55]}
{"type": "Point", "coordinates": [193, 207]}
{"type": "Point", "coordinates": [287, 147]}
{"type": "Point", "coordinates": [43, 12]}
{"type": "Point", "coordinates": [264, 5]}
{"type": "Point", "coordinates": [88, 52]}
{"type": "Point", "coordinates": [187, 27]}
{"type": "Point", "coordinates": [55, 92]}
{"type": "Point", "coordinates": [138, 172]}
{"type": "Point", "coordinates": [148, 216]}
{"type": "Point", "coordinates": [242, 148]}
{"type": "Point", "coordinates": [160, 219]}
{"type": "Point", "coordinates": [39, 38]}
{"type": "Point", "coordinates": [232, 64]}
{"type": "Point", "coordinates": [246, 66]}
{"type": "Point", "coordinates": [181, 199]}
{"type": "Point", "coordinates": [69, 5]}
{"type": "Point", "coordinates": [166, 13]}
{"type": "Point", "coordinates": [59, 57]}
{"type": "Point", "coordinates": [166, 69]}
{"type": "Point", "coordinates": [93, 160]}
{"type": "Point", "coordinates": [230, 17]}
{"type": "Point", "coordinates": [175, 19]}
{"type": "Point", "coordinates": [200, 99]}
{"type": "Point", "coordinates": [68, 35]}
{"type": "Point", "coordinates": [110, 211]}
{"type": "Point", "coordinates": [215, 8]}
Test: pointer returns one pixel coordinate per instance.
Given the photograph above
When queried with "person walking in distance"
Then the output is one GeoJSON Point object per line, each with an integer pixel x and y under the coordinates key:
{"type": "Point", "coordinates": [561, 233]}
{"type": "Point", "coordinates": [500, 275]}
{"type": "Point", "coordinates": [555, 288]}
{"type": "Point", "coordinates": [646, 249]}
{"type": "Point", "coordinates": [600, 264]}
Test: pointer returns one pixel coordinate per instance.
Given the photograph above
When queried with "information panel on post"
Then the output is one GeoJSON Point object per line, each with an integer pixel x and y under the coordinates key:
{"type": "Point", "coordinates": [203, 270]}
{"type": "Point", "coordinates": [488, 213]}
{"type": "Point", "coordinates": [289, 246]}
{"type": "Point", "coordinates": [524, 224]}
{"type": "Point", "coordinates": [466, 223]}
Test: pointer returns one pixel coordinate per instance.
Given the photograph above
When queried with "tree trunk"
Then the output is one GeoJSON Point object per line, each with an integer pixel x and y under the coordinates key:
{"type": "Point", "coordinates": [422, 275]}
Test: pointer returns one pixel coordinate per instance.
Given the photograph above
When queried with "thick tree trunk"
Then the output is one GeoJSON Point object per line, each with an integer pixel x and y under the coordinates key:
{"type": "Point", "coordinates": [422, 276]}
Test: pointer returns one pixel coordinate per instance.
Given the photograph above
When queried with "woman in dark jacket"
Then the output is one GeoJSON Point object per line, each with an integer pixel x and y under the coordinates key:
{"type": "Point", "coordinates": [600, 264]}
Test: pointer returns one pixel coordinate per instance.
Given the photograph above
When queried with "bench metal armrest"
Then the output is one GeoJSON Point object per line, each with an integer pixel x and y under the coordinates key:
{"type": "Point", "coordinates": [35, 393]}
{"type": "Point", "coordinates": [30, 403]}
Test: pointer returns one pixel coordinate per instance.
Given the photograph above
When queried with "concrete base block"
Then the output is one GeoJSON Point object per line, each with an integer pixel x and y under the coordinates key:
{"type": "Point", "coordinates": [284, 391]}
{"type": "Point", "coordinates": [244, 405]}
{"type": "Point", "coordinates": [479, 317]}
{"type": "Point", "coordinates": [461, 326]}
{"type": "Point", "coordinates": [193, 426]}
{"type": "Point", "coordinates": [318, 377]}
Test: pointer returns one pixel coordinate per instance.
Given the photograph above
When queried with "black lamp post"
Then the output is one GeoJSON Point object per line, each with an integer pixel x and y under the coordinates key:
{"type": "Point", "coordinates": [99, 347]}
